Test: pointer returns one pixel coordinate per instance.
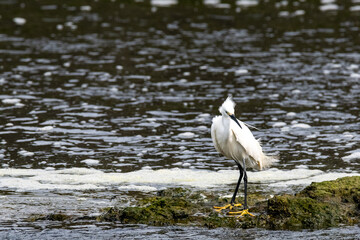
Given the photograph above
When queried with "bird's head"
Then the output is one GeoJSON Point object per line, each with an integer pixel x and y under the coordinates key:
{"type": "Point", "coordinates": [227, 109]}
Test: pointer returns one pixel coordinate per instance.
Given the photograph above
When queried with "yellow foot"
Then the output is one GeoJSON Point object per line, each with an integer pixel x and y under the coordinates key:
{"type": "Point", "coordinates": [242, 213]}
{"type": "Point", "coordinates": [228, 206]}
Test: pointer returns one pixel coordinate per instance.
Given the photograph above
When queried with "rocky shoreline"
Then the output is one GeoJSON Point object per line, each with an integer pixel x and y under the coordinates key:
{"type": "Point", "coordinates": [318, 206]}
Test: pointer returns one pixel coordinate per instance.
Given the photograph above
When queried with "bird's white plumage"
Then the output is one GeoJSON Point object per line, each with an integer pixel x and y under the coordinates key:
{"type": "Point", "coordinates": [228, 106]}
{"type": "Point", "coordinates": [237, 142]}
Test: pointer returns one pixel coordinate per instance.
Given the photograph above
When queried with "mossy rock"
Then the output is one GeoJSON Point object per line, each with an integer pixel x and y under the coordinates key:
{"type": "Point", "coordinates": [320, 205]}
{"type": "Point", "coordinates": [168, 208]}
{"type": "Point", "coordinates": [290, 212]}
{"type": "Point", "coordinates": [342, 190]}
{"type": "Point", "coordinates": [214, 220]}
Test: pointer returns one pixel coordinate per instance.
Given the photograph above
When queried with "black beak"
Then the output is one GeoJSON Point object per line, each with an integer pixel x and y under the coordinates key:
{"type": "Point", "coordinates": [234, 118]}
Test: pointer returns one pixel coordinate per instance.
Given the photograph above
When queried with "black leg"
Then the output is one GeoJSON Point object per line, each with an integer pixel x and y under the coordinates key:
{"type": "Point", "coordinates": [238, 184]}
{"type": "Point", "coordinates": [245, 185]}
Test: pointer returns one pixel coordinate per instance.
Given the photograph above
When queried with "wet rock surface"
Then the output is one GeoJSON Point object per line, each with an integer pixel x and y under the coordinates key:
{"type": "Point", "coordinates": [320, 205]}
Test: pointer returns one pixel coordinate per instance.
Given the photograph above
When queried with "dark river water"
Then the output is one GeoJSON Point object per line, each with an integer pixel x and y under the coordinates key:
{"type": "Point", "coordinates": [101, 99]}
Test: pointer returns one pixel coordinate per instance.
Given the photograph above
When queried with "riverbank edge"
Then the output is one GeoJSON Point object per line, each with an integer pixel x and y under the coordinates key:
{"type": "Point", "coordinates": [318, 206]}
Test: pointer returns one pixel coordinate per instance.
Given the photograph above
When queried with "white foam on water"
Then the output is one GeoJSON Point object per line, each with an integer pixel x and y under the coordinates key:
{"type": "Point", "coordinates": [150, 180]}
{"type": "Point", "coordinates": [353, 66]}
{"type": "Point", "coordinates": [46, 128]}
{"type": "Point", "coordinates": [247, 3]}
{"type": "Point", "coordinates": [353, 156]}
{"type": "Point", "coordinates": [299, 12]}
{"type": "Point", "coordinates": [317, 178]}
{"type": "Point", "coordinates": [31, 184]}
{"type": "Point", "coordinates": [355, 8]}
{"type": "Point", "coordinates": [211, 2]}
{"type": "Point", "coordinates": [19, 20]}
{"type": "Point", "coordinates": [85, 8]}
{"type": "Point", "coordinates": [329, 7]}
{"type": "Point", "coordinates": [26, 153]}
{"type": "Point", "coordinates": [163, 3]}
{"type": "Point", "coordinates": [290, 114]}
{"type": "Point", "coordinates": [239, 72]}
{"type": "Point", "coordinates": [137, 188]}
{"type": "Point", "coordinates": [355, 75]}
{"type": "Point", "coordinates": [284, 14]}
{"type": "Point", "coordinates": [91, 162]}
{"type": "Point", "coordinates": [186, 135]}
{"type": "Point", "coordinates": [279, 124]}
{"type": "Point", "coordinates": [11, 101]}
{"type": "Point", "coordinates": [300, 125]}
{"type": "Point", "coordinates": [296, 91]}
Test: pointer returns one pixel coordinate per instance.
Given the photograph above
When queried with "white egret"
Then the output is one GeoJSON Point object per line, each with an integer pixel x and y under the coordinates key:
{"type": "Point", "coordinates": [234, 140]}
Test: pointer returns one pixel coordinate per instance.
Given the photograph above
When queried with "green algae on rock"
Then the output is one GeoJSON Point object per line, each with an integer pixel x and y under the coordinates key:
{"type": "Point", "coordinates": [320, 205]}
{"type": "Point", "coordinates": [170, 207]}
{"type": "Point", "coordinates": [344, 190]}
{"type": "Point", "coordinates": [290, 212]}
{"type": "Point", "coordinates": [153, 211]}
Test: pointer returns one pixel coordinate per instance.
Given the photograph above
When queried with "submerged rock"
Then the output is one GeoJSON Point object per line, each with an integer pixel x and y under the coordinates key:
{"type": "Point", "coordinates": [320, 205]}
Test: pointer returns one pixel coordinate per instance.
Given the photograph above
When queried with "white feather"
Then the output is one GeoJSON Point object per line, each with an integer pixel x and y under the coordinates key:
{"type": "Point", "coordinates": [237, 143]}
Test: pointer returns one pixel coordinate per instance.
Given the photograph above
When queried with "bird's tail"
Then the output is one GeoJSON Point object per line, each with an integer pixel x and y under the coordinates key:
{"type": "Point", "coordinates": [267, 161]}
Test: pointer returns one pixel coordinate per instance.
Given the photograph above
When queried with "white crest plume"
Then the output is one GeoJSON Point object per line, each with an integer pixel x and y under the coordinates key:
{"type": "Point", "coordinates": [228, 105]}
